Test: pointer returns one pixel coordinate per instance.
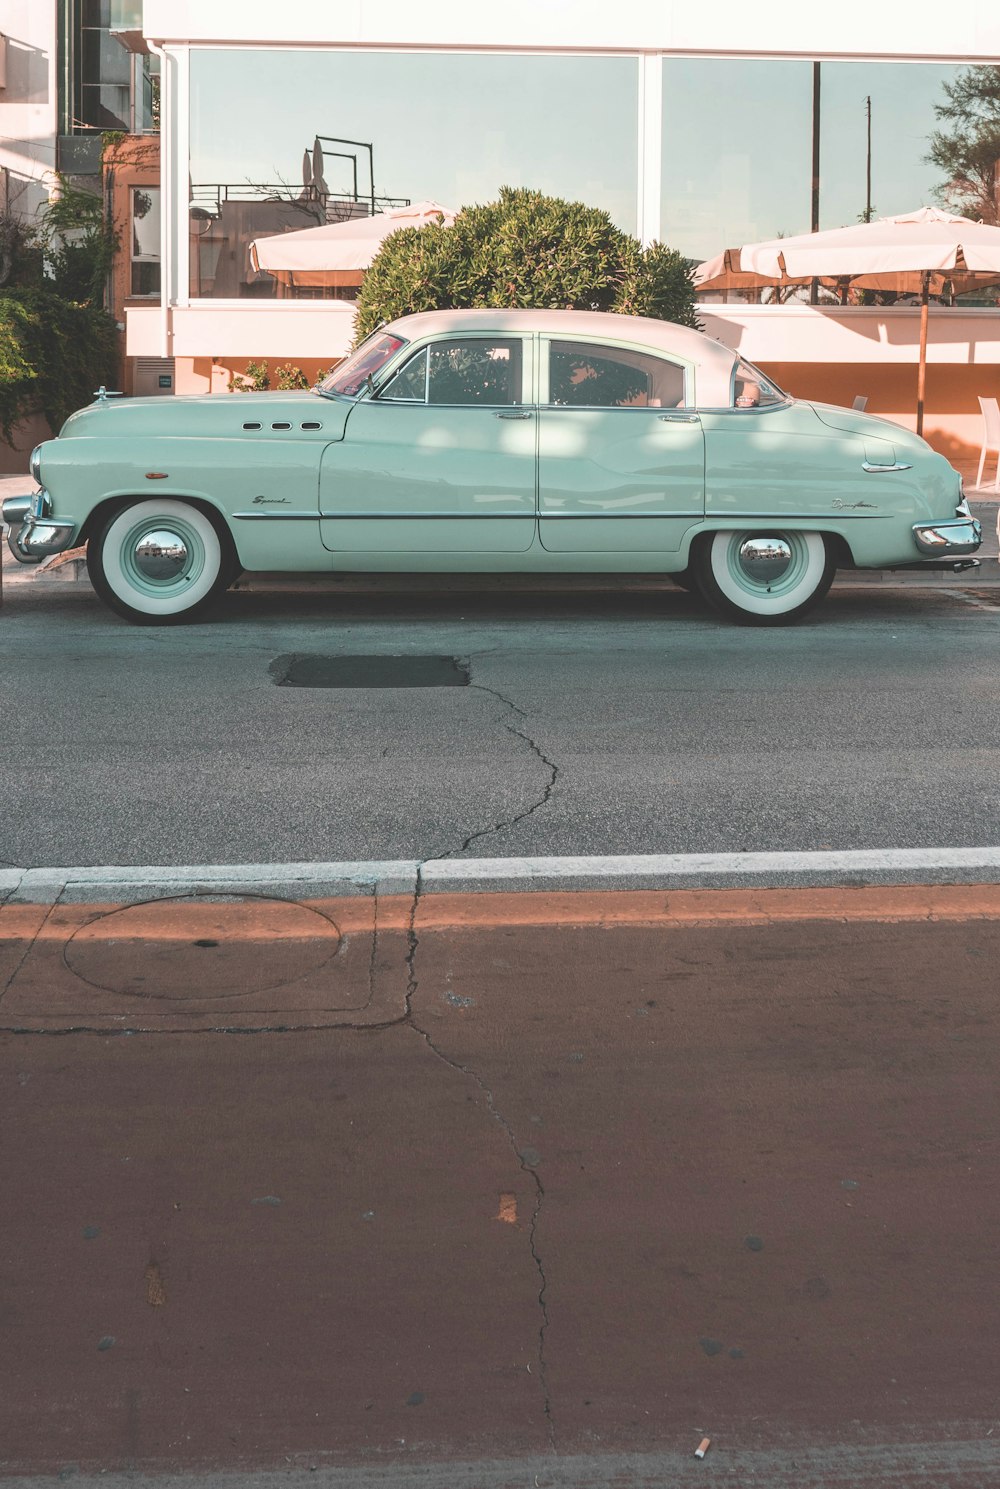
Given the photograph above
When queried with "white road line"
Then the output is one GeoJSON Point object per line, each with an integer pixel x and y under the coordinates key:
{"type": "Point", "coordinates": [399, 876]}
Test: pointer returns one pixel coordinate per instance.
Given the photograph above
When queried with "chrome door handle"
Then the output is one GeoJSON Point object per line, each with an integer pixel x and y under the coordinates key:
{"type": "Point", "coordinates": [871, 468]}
{"type": "Point", "coordinates": [678, 418]}
{"type": "Point", "coordinates": [521, 413]}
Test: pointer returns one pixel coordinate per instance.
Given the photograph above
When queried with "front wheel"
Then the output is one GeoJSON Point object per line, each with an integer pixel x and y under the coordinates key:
{"type": "Point", "coordinates": [160, 562]}
{"type": "Point", "coordinates": [764, 578]}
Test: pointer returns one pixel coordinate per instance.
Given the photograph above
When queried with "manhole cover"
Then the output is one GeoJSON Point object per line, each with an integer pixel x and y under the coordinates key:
{"type": "Point", "coordinates": [301, 670]}
{"type": "Point", "coordinates": [201, 947]}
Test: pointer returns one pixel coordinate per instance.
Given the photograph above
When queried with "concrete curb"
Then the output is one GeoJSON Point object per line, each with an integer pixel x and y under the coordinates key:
{"type": "Point", "coordinates": [124, 885]}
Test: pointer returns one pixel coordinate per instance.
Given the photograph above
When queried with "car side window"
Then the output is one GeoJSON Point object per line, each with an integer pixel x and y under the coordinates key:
{"type": "Point", "coordinates": [586, 375]}
{"type": "Point", "coordinates": [474, 370]}
{"type": "Point", "coordinates": [468, 370]}
{"type": "Point", "coordinates": [409, 384]}
{"type": "Point", "coordinates": [751, 389]}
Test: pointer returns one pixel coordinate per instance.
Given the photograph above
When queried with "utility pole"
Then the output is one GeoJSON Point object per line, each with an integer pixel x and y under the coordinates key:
{"type": "Point", "coordinates": [868, 164]}
{"type": "Point", "coordinates": [814, 224]}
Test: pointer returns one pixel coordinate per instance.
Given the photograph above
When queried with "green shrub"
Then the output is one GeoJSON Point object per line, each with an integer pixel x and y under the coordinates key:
{"type": "Point", "coordinates": [257, 379]}
{"type": "Point", "coordinates": [53, 354]}
{"type": "Point", "coordinates": [293, 380]}
{"type": "Point", "coordinates": [80, 244]}
{"type": "Point", "coordinates": [524, 250]}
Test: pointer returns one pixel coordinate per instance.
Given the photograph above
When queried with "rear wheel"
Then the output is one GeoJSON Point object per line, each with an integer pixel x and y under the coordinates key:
{"type": "Point", "coordinates": [764, 578]}
{"type": "Point", "coordinates": [160, 562]}
{"type": "Point", "coordinates": [684, 579]}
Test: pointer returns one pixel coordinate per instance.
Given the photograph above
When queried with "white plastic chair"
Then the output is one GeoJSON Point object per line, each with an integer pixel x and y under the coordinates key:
{"type": "Point", "coordinates": [991, 438]}
{"type": "Point", "coordinates": [860, 403]}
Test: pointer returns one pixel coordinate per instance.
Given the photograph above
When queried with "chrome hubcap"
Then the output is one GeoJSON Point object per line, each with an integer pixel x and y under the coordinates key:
{"type": "Point", "coordinates": [161, 554]}
{"type": "Point", "coordinates": [764, 559]}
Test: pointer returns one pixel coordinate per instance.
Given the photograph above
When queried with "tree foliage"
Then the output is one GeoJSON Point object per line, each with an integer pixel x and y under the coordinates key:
{"type": "Point", "coordinates": [52, 354]}
{"type": "Point", "coordinates": [967, 147]}
{"type": "Point", "coordinates": [21, 251]}
{"type": "Point", "coordinates": [525, 250]}
{"type": "Point", "coordinates": [80, 244]}
{"type": "Point", "coordinates": [56, 342]}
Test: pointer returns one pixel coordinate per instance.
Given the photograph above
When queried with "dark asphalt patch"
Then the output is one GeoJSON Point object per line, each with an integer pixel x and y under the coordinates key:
{"type": "Point", "coordinates": [302, 670]}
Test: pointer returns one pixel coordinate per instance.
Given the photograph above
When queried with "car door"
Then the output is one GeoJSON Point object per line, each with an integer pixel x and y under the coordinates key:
{"type": "Point", "coordinates": [442, 460]}
{"type": "Point", "coordinates": [621, 455]}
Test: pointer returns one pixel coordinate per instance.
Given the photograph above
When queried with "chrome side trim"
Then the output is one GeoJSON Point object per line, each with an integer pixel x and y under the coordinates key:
{"type": "Point", "coordinates": [276, 516]}
{"type": "Point", "coordinates": [878, 469]}
{"type": "Point", "coordinates": [777, 518]}
{"type": "Point", "coordinates": [620, 516]}
{"type": "Point", "coordinates": [426, 516]}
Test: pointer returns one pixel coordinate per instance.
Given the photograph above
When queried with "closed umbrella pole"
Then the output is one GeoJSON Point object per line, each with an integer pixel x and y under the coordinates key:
{"type": "Point", "coordinates": [922, 368]}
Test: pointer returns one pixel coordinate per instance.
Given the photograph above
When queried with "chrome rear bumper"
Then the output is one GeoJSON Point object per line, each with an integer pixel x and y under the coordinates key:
{"type": "Point", "coordinates": [955, 537]}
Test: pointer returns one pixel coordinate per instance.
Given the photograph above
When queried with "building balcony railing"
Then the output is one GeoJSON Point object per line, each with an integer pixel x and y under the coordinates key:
{"type": "Point", "coordinates": [319, 206]}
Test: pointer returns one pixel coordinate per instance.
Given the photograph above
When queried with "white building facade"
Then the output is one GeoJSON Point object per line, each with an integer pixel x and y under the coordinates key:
{"type": "Point", "coordinates": [28, 104]}
{"type": "Point", "coordinates": [692, 125]}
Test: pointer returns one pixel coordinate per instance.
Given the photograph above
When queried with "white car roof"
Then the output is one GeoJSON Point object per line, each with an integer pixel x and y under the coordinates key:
{"type": "Point", "coordinates": [713, 362]}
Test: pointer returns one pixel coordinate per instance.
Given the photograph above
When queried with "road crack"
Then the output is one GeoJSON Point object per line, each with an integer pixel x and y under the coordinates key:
{"type": "Point", "coordinates": [529, 811]}
{"type": "Point", "coordinates": [503, 1122]}
{"type": "Point", "coordinates": [412, 983]}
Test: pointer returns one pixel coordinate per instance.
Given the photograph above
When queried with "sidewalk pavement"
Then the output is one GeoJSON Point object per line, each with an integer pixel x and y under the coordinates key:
{"type": "Point", "coordinates": [503, 1178]}
{"type": "Point", "coordinates": [984, 501]}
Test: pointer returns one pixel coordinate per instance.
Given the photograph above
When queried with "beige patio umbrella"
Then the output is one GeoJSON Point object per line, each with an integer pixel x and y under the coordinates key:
{"type": "Point", "coordinates": [908, 253]}
{"type": "Point", "coordinates": [723, 272]}
{"type": "Point", "coordinates": [316, 255]}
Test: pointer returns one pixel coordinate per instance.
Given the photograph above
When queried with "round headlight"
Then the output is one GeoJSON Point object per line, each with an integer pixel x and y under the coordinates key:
{"type": "Point", "coordinates": [35, 464]}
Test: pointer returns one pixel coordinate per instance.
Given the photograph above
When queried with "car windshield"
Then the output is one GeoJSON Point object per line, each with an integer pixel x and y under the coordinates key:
{"type": "Point", "coordinates": [350, 377]}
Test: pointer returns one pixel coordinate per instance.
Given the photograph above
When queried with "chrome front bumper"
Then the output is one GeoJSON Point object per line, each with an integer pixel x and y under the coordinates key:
{"type": "Point", "coordinates": [955, 537]}
{"type": "Point", "coordinates": [32, 533]}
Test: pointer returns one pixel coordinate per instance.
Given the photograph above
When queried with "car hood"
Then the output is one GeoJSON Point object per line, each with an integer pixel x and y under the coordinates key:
{"type": "Point", "coordinates": [222, 415]}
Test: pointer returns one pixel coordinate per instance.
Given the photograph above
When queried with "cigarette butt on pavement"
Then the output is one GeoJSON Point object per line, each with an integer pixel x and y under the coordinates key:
{"type": "Point", "coordinates": [703, 1447]}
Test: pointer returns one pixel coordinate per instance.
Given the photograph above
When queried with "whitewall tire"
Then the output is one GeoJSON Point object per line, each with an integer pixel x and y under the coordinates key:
{"type": "Point", "coordinates": [764, 578]}
{"type": "Point", "coordinates": [160, 562]}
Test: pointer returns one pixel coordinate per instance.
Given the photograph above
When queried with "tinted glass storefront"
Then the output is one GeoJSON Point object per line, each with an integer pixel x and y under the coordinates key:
{"type": "Point", "coordinates": [394, 128]}
{"type": "Point", "coordinates": [738, 146]}
{"type": "Point", "coordinates": [363, 131]}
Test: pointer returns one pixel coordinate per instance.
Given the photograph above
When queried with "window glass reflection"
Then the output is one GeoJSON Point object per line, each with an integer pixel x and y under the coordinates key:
{"type": "Point", "coordinates": [410, 385]}
{"type": "Point", "coordinates": [145, 241]}
{"type": "Point", "coordinates": [471, 370]}
{"type": "Point", "coordinates": [447, 128]}
{"type": "Point", "coordinates": [737, 147]}
{"type": "Point", "coordinates": [598, 376]}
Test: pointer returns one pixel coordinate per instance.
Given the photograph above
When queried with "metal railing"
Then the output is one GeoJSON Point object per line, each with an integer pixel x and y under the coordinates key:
{"type": "Point", "coordinates": [320, 206]}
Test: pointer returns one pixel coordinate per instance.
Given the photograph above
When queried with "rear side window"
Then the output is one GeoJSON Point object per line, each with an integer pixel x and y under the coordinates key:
{"type": "Point", "coordinates": [751, 389]}
{"type": "Point", "coordinates": [585, 375]}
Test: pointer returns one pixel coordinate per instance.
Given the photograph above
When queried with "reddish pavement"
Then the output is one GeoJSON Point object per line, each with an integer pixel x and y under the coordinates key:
{"type": "Point", "coordinates": [603, 1175]}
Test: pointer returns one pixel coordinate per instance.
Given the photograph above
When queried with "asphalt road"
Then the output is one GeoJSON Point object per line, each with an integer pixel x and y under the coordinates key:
{"type": "Point", "coordinates": [593, 723]}
{"type": "Point", "coordinates": [575, 1182]}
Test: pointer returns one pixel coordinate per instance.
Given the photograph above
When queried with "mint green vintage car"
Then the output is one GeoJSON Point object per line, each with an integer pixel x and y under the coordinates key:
{"type": "Point", "coordinates": [493, 441]}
